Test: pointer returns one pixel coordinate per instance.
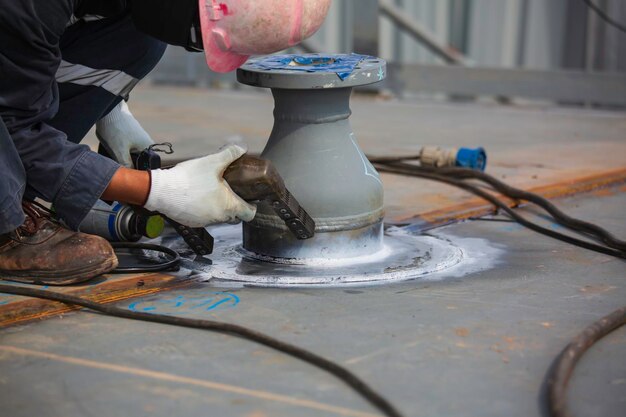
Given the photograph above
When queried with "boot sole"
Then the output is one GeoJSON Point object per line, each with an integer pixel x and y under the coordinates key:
{"type": "Point", "coordinates": [53, 278]}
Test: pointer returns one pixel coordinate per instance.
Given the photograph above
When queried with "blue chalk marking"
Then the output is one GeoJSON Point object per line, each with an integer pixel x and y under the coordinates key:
{"type": "Point", "coordinates": [231, 298]}
{"type": "Point", "coordinates": [215, 305]}
{"type": "Point", "coordinates": [133, 307]}
{"type": "Point", "coordinates": [369, 169]}
{"type": "Point", "coordinates": [180, 302]}
{"type": "Point", "coordinates": [217, 300]}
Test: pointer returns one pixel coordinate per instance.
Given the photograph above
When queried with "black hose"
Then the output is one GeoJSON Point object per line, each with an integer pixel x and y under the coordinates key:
{"type": "Point", "coordinates": [518, 194]}
{"type": "Point", "coordinates": [165, 265]}
{"type": "Point", "coordinates": [392, 159]}
{"type": "Point", "coordinates": [564, 367]}
{"type": "Point", "coordinates": [503, 206]}
{"type": "Point", "coordinates": [320, 362]}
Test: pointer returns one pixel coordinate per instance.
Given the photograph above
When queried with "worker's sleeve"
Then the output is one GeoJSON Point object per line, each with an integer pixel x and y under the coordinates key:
{"type": "Point", "coordinates": [70, 176]}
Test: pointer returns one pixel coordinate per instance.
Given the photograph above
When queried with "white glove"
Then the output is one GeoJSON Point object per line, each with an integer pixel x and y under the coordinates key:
{"type": "Point", "coordinates": [194, 193]}
{"type": "Point", "coordinates": [121, 134]}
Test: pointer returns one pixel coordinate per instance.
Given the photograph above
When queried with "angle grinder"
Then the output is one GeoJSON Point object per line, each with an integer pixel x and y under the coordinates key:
{"type": "Point", "coordinates": [253, 179]}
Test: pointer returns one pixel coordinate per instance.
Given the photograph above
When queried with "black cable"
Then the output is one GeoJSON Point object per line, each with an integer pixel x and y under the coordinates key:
{"type": "Point", "coordinates": [563, 369]}
{"type": "Point", "coordinates": [320, 362]}
{"type": "Point", "coordinates": [503, 206]}
{"type": "Point", "coordinates": [604, 16]}
{"type": "Point", "coordinates": [580, 226]}
{"type": "Point", "coordinates": [518, 194]}
{"type": "Point", "coordinates": [558, 215]}
{"type": "Point", "coordinates": [500, 204]}
{"type": "Point", "coordinates": [166, 265]}
{"type": "Point", "coordinates": [392, 159]}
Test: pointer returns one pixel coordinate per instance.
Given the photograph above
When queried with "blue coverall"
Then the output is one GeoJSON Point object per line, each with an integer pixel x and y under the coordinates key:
{"type": "Point", "coordinates": [64, 64]}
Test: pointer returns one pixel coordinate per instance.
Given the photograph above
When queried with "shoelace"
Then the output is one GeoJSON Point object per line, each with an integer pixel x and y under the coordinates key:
{"type": "Point", "coordinates": [35, 216]}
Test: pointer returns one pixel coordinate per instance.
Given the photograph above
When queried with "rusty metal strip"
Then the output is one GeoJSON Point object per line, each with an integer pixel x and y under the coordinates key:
{"type": "Point", "coordinates": [477, 207]}
{"type": "Point", "coordinates": [23, 309]}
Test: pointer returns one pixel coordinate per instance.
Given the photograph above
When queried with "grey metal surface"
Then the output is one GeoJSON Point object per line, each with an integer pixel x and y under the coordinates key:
{"type": "Point", "coordinates": [369, 71]}
{"type": "Point", "coordinates": [478, 344]}
{"type": "Point", "coordinates": [575, 86]}
{"type": "Point", "coordinates": [313, 147]}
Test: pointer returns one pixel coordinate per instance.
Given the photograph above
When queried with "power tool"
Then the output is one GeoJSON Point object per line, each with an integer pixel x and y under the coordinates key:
{"type": "Point", "coordinates": [118, 222]}
{"type": "Point", "coordinates": [197, 238]}
{"type": "Point", "coordinates": [254, 180]}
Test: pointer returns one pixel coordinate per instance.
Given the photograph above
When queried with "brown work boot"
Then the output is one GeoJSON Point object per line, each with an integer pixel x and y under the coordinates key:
{"type": "Point", "coordinates": [41, 251]}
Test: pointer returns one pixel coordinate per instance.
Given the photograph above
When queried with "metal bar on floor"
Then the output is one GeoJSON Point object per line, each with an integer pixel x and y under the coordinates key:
{"type": "Point", "coordinates": [558, 86]}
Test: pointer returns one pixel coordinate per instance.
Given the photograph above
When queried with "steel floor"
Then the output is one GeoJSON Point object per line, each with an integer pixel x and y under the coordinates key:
{"type": "Point", "coordinates": [469, 345]}
{"type": "Point", "coordinates": [479, 344]}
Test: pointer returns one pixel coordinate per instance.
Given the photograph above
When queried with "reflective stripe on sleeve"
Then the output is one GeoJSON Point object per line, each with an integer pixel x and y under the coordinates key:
{"type": "Point", "coordinates": [114, 81]}
{"type": "Point", "coordinates": [87, 18]}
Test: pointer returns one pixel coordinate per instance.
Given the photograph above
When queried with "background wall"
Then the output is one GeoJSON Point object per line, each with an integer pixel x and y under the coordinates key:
{"type": "Point", "coordinates": [529, 34]}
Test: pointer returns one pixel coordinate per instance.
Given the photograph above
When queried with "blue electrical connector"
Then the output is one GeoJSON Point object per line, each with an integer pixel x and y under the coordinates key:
{"type": "Point", "coordinates": [472, 158]}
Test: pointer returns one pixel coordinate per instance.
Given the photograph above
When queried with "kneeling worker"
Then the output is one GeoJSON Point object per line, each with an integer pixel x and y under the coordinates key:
{"type": "Point", "coordinates": [67, 65]}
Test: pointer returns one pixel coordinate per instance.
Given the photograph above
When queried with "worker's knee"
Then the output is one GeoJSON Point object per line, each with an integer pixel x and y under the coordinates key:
{"type": "Point", "coordinates": [112, 43]}
{"type": "Point", "coordinates": [147, 49]}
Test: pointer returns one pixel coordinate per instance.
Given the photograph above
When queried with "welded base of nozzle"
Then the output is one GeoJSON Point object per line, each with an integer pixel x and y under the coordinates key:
{"type": "Point", "coordinates": [281, 243]}
{"type": "Point", "coordinates": [402, 256]}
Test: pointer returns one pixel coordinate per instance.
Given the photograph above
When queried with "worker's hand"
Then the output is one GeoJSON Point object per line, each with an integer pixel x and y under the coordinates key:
{"type": "Point", "coordinates": [120, 134]}
{"type": "Point", "coordinates": [195, 194]}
